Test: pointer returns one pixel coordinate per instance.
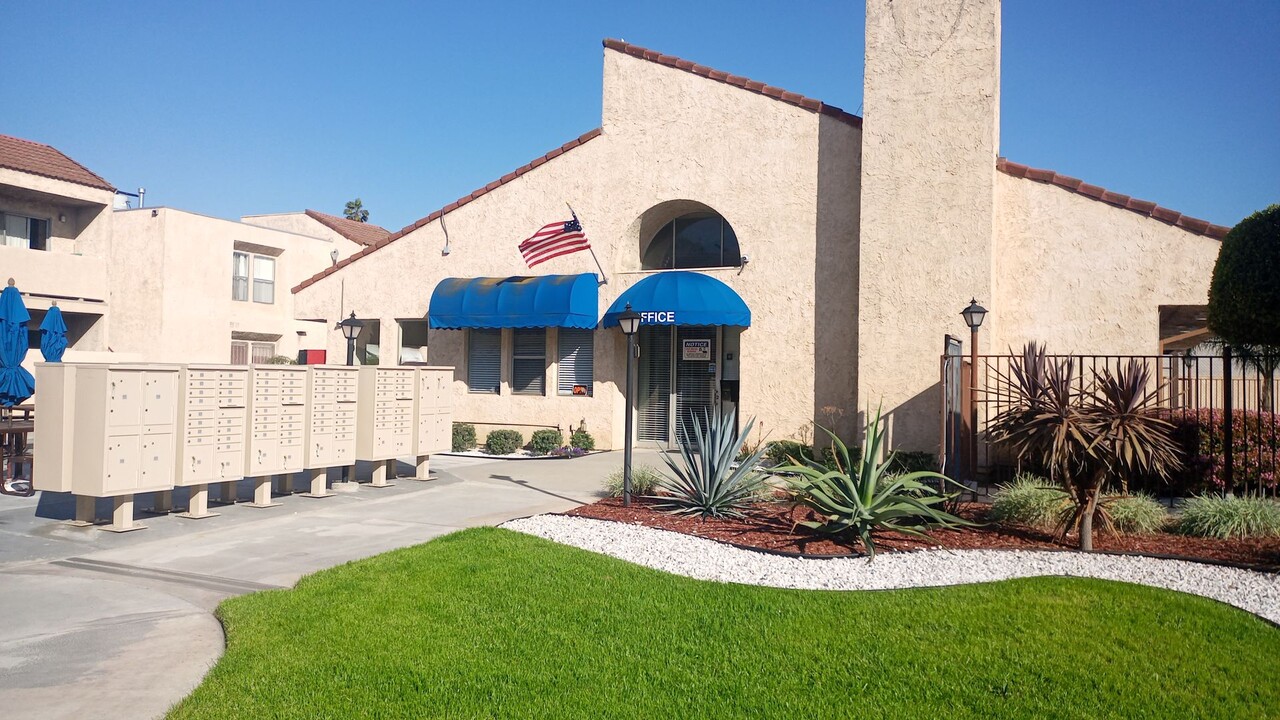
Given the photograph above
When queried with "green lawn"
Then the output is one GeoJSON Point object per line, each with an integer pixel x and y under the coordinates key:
{"type": "Point", "coordinates": [490, 623]}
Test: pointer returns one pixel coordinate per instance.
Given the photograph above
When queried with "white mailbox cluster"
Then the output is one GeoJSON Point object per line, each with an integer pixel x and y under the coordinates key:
{"type": "Point", "coordinates": [118, 430]}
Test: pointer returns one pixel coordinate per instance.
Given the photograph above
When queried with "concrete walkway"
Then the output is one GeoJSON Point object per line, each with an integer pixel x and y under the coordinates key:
{"type": "Point", "coordinates": [104, 625]}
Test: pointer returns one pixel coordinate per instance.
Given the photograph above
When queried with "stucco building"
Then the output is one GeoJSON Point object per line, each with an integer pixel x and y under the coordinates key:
{"type": "Point", "coordinates": [157, 284]}
{"type": "Point", "coordinates": [853, 241]}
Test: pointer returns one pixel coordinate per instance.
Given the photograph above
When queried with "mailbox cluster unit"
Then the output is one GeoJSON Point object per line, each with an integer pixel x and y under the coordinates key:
{"type": "Point", "coordinates": [118, 430]}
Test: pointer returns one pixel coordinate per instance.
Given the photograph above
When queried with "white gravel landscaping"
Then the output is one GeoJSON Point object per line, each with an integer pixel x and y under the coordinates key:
{"type": "Point", "coordinates": [1256, 592]}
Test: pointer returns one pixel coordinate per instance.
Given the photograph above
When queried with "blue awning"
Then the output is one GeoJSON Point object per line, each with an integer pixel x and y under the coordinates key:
{"type": "Point", "coordinates": [571, 301]}
{"type": "Point", "coordinates": [681, 298]}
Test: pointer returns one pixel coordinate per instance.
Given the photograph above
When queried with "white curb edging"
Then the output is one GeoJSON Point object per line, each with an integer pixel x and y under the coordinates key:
{"type": "Point", "coordinates": [701, 559]}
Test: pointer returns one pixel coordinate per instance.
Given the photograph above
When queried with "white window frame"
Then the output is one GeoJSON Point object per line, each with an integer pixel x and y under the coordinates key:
{"type": "Point", "coordinates": [240, 284]}
{"type": "Point", "coordinates": [268, 283]}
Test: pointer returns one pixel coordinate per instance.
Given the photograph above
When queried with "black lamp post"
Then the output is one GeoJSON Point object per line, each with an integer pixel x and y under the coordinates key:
{"type": "Point", "coordinates": [350, 330]}
{"type": "Point", "coordinates": [973, 316]}
{"type": "Point", "coordinates": [629, 321]}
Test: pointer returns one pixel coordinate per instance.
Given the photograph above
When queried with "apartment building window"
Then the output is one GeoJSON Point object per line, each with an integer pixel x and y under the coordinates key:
{"type": "Point", "coordinates": [369, 343]}
{"type": "Point", "coordinates": [529, 361]}
{"type": "Point", "coordinates": [484, 361]}
{"type": "Point", "coordinates": [413, 341]}
{"type": "Point", "coordinates": [25, 232]}
{"type": "Point", "coordinates": [240, 278]}
{"type": "Point", "coordinates": [257, 353]}
{"type": "Point", "coordinates": [263, 278]}
{"type": "Point", "coordinates": [575, 358]}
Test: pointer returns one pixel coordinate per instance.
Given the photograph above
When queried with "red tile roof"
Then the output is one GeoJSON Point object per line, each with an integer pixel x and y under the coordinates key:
{"type": "Point", "coordinates": [357, 232]}
{"type": "Point", "coordinates": [39, 159]}
{"type": "Point", "coordinates": [735, 80]}
{"type": "Point", "coordinates": [1142, 207]}
{"type": "Point", "coordinates": [448, 209]}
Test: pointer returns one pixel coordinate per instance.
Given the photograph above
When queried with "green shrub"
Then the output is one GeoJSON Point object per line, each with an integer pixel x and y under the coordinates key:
{"type": "Point", "coordinates": [582, 439]}
{"type": "Point", "coordinates": [1028, 500]}
{"type": "Point", "coordinates": [1199, 434]}
{"type": "Point", "coordinates": [785, 452]}
{"type": "Point", "coordinates": [544, 441]}
{"type": "Point", "coordinates": [1230, 517]}
{"type": "Point", "coordinates": [503, 442]}
{"type": "Point", "coordinates": [464, 437]}
{"type": "Point", "coordinates": [1244, 295]}
{"type": "Point", "coordinates": [644, 480]}
{"type": "Point", "coordinates": [708, 482]}
{"type": "Point", "coordinates": [854, 501]}
{"type": "Point", "coordinates": [1137, 513]}
{"type": "Point", "coordinates": [909, 461]}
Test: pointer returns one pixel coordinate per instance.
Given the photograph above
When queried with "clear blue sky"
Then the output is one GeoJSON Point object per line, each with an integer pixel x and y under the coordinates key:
{"type": "Point", "coordinates": [231, 108]}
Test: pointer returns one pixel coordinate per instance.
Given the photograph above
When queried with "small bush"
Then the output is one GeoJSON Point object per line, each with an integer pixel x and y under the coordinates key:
{"type": "Point", "coordinates": [644, 480]}
{"type": "Point", "coordinates": [503, 442]}
{"type": "Point", "coordinates": [784, 452]}
{"type": "Point", "coordinates": [906, 462]}
{"type": "Point", "coordinates": [1200, 436]}
{"type": "Point", "coordinates": [568, 452]}
{"type": "Point", "coordinates": [582, 439]}
{"type": "Point", "coordinates": [1230, 517]}
{"type": "Point", "coordinates": [464, 437]}
{"type": "Point", "coordinates": [1028, 500]}
{"type": "Point", "coordinates": [1138, 513]}
{"type": "Point", "coordinates": [544, 441]}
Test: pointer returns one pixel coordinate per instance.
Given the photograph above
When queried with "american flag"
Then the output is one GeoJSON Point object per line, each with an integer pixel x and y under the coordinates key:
{"type": "Point", "coordinates": [554, 240]}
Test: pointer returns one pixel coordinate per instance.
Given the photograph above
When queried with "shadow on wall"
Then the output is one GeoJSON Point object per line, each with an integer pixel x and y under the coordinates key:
{"type": "Point", "coordinates": [914, 419]}
{"type": "Point", "coordinates": [836, 281]}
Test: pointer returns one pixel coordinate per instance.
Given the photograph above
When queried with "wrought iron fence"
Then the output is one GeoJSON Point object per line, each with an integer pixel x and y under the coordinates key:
{"type": "Point", "coordinates": [1225, 409]}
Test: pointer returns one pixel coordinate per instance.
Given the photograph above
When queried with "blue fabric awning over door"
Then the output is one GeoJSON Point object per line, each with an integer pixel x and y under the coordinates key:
{"type": "Point", "coordinates": [681, 298]}
{"type": "Point", "coordinates": [571, 301]}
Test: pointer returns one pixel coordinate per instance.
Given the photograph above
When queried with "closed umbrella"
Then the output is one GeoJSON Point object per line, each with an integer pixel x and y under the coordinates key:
{"type": "Point", "coordinates": [53, 335]}
{"type": "Point", "coordinates": [16, 384]}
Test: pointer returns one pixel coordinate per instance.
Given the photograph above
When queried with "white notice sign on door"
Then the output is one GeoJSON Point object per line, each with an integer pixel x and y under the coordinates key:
{"type": "Point", "coordinates": [696, 350]}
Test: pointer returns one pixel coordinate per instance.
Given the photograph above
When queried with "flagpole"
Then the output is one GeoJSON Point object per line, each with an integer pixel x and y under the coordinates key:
{"type": "Point", "coordinates": [604, 280]}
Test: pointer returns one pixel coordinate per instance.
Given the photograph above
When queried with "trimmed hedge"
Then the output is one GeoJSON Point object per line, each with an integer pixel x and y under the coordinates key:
{"type": "Point", "coordinates": [1244, 295]}
{"type": "Point", "coordinates": [582, 440]}
{"type": "Point", "coordinates": [464, 437]}
{"type": "Point", "coordinates": [1256, 450]}
{"type": "Point", "coordinates": [544, 441]}
{"type": "Point", "coordinates": [503, 442]}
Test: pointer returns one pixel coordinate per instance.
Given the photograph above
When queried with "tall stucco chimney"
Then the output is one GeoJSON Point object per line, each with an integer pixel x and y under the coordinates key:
{"type": "Point", "coordinates": [930, 135]}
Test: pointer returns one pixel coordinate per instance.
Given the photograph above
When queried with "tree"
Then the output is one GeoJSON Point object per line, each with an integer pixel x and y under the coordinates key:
{"type": "Point", "coordinates": [1244, 296]}
{"type": "Point", "coordinates": [1083, 435]}
{"type": "Point", "coordinates": [355, 211]}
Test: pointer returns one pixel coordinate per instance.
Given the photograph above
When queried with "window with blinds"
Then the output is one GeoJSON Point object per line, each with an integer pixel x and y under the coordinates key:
{"type": "Point", "coordinates": [484, 361]}
{"type": "Point", "coordinates": [575, 360]}
{"type": "Point", "coordinates": [529, 361]}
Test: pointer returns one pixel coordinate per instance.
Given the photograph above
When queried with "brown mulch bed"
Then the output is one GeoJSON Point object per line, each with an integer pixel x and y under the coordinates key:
{"type": "Point", "coordinates": [772, 527]}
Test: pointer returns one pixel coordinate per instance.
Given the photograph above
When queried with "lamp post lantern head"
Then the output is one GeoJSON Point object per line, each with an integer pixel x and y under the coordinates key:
{"type": "Point", "coordinates": [629, 321]}
{"type": "Point", "coordinates": [350, 327]}
{"type": "Point", "coordinates": [973, 314]}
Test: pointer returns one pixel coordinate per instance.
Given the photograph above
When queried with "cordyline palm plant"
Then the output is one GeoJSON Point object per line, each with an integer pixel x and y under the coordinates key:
{"type": "Point", "coordinates": [1083, 435]}
{"type": "Point", "coordinates": [859, 496]}
{"type": "Point", "coordinates": [707, 482]}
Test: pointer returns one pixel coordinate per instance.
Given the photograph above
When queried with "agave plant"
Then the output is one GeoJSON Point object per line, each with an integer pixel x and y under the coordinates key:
{"type": "Point", "coordinates": [709, 481]}
{"type": "Point", "coordinates": [859, 495]}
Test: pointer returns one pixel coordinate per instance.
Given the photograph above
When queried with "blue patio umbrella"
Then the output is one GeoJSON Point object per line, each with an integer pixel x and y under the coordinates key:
{"type": "Point", "coordinates": [16, 384]}
{"type": "Point", "coordinates": [53, 335]}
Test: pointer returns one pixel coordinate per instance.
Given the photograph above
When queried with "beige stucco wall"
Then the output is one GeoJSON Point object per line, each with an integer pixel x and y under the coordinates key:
{"type": "Point", "coordinates": [300, 223]}
{"type": "Point", "coordinates": [171, 289]}
{"type": "Point", "coordinates": [757, 161]}
{"type": "Point", "coordinates": [930, 137]}
{"type": "Point", "coordinates": [1083, 276]}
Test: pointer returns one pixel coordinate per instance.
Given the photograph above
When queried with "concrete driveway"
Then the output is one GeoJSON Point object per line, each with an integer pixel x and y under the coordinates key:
{"type": "Point", "coordinates": [105, 625]}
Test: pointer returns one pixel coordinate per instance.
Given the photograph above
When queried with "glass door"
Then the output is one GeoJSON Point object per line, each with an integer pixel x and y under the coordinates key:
{"type": "Point", "coordinates": [678, 380]}
{"type": "Point", "coordinates": [653, 407]}
{"type": "Point", "coordinates": [695, 361]}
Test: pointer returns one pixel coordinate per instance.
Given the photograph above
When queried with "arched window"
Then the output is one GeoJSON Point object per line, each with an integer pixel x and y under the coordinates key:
{"type": "Point", "coordinates": [693, 240]}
